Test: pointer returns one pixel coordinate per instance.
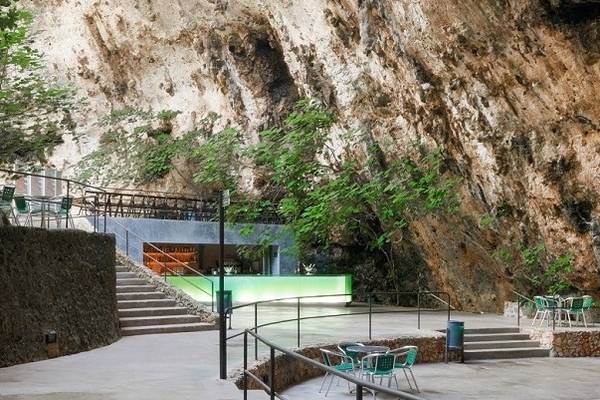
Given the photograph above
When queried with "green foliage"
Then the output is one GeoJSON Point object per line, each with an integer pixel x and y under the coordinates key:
{"type": "Point", "coordinates": [325, 202]}
{"type": "Point", "coordinates": [556, 273]}
{"type": "Point", "coordinates": [131, 150]}
{"type": "Point", "coordinates": [487, 220]}
{"type": "Point", "coordinates": [217, 160]}
{"type": "Point", "coordinates": [157, 157]}
{"type": "Point", "coordinates": [536, 271]}
{"type": "Point", "coordinates": [35, 112]}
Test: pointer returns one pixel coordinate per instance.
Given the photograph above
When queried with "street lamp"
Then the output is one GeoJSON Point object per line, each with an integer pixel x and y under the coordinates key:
{"type": "Point", "coordinates": [224, 201]}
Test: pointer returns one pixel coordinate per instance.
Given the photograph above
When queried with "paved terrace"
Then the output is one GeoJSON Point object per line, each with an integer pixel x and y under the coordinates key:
{"type": "Point", "coordinates": [185, 365]}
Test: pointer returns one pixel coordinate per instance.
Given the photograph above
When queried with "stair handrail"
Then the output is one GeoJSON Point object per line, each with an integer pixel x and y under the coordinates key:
{"type": "Point", "coordinates": [165, 267]}
{"type": "Point", "coordinates": [519, 301]}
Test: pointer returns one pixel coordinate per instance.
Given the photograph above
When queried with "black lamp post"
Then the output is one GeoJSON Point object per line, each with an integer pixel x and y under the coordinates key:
{"type": "Point", "coordinates": [223, 201]}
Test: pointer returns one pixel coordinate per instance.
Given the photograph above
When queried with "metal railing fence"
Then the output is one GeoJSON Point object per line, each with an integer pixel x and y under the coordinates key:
{"type": "Point", "coordinates": [271, 388]}
{"type": "Point", "coordinates": [418, 310]}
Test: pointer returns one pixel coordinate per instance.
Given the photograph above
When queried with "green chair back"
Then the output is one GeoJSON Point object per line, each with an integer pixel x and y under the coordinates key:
{"type": "Point", "coordinates": [384, 363]}
{"type": "Point", "coordinates": [588, 302]}
{"type": "Point", "coordinates": [411, 356]}
{"type": "Point", "coordinates": [65, 204]}
{"type": "Point", "coordinates": [7, 193]}
{"type": "Point", "coordinates": [576, 304]}
{"type": "Point", "coordinates": [344, 348]}
{"type": "Point", "coordinates": [326, 358]}
{"type": "Point", "coordinates": [551, 302]}
{"type": "Point", "coordinates": [540, 303]}
{"type": "Point", "coordinates": [21, 203]}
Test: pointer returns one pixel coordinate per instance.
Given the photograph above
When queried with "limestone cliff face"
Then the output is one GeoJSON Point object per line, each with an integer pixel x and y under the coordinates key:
{"type": "Point", "coordinates": [509, 87]}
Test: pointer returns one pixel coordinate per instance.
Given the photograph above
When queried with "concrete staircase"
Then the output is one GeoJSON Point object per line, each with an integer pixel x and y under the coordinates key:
{"type": "Point", "coordinates": [145, 310]}
{"type": "Point", "coordinates": [500, 343]}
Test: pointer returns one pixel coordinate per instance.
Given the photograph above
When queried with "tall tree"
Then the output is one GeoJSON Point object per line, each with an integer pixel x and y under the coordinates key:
{"type": "Point", "coordinates": [35, 111]}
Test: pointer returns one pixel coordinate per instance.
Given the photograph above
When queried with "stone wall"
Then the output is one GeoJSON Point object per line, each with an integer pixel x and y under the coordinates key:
{"type": "Point", "coordinates": [290, 372]}
{"type": "Point", "coordinates": [62, 281]}
{"type": "Point", "coordinates": [569, 343]}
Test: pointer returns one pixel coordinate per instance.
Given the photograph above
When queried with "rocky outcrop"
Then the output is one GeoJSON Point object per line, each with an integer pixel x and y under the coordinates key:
{"type": "Point", "coordinates": [507, 87]}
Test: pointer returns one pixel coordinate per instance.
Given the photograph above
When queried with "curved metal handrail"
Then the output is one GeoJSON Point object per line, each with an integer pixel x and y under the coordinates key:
{"type": "Point", "coordinates": [360, 383]}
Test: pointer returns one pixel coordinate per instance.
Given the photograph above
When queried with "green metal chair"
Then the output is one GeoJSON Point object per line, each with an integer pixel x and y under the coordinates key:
{"type": "Point", "coordinates": [379, 366]}
{"type": "Point", "coordinates": [410, 353]}
{"type": "Point", "coordinates": [588, 303]}
{"type": "Point", "coordinates": [575, 307]}
{"type": "Point", "coordinates": [352, 354]}
{"type": "Point", "coordinates": [23, 209]}
{"type": "Point", "coordinates": [346, 365]}
{"type": "Point", "coordinates": [64, 211]}
{"type": "Point", "coordinates": [6, 200]}
{"type": "Point", "coordinates": [540, 309]}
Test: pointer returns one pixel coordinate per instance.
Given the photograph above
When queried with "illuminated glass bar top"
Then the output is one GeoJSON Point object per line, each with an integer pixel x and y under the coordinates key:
{"type": "Point", "coordinates": [251, 288]}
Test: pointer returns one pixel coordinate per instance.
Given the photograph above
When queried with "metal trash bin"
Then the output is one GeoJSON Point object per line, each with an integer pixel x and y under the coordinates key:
{"type": "Point", "coordinates": [455, 338]}
{"type": "Point", "coordinates": [228, 301]}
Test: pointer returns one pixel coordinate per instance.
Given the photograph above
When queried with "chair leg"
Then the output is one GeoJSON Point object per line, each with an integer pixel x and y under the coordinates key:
{"type": "Point", "coordinates": [323, 381]}
{"type": "Point", "coordinates": [330, 383]}
{"type": "Point", "coordinates": [535, 317]}
{"type": "Point", "coordinates": [569, 317]}
{"type": "Point", "coordinates": [584, 321]}
{"type": "Point", "coordinates": [396, 379]}
{"type": "Point", "coordinates": [414, 380]}
{"type": "Point", "coordinates": [406, 375]}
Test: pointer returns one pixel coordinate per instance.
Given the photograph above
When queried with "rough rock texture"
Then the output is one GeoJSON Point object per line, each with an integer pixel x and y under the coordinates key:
{"type": "Point", "coordinates": [508, 87]}
{"type": "Point", "coordinates": [181, 298]}
{"type": "Point", "coordinates": [580, 343]}
{"type": "Point", "coordinates": [431, 349]}
{"type": "Point", "coordinates": [55, 280]}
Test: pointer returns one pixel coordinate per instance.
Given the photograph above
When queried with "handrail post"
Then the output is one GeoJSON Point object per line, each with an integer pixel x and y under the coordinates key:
{"type": "Point", "coordinates": [359, 393]}
{"type": "Point", "coordinates": [553, 315]}
{"type": "Point", "coordinates": [419, 309]}
{"type": "Point", "coordinates": [448, 294]}
{"type": "Point", "coordinates": [272, 374]}
{"type": "Point", "coordinates": [255, 331]}
{"type": "Point", "coordinates": [127, 242]}
{"type": "Point", "coordinates": [518, 312]}
{"type": "Point", "coordinates": [370, 314]}
{"type": "Point", "coordinates": [245, 375]}
{"type": "Point", "coordinates": [68, 211]}
{"type": "Point", "coordinates": [298, 322]}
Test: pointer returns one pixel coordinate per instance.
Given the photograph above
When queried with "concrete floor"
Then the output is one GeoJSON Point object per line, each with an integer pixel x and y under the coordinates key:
{"type": "Point", "coordinates": [526, 379]}
{"type": "Point", "coordinates": [185, 365]}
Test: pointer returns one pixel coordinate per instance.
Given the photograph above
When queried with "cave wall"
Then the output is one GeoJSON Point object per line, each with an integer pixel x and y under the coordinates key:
{"type": "Point", "coordinates": [61, 281]}
{"type": "Point", "coordinates": [507, 87]}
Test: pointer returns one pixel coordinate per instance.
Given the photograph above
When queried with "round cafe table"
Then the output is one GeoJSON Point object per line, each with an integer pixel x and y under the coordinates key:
{"type": "Point", "coordinates": [366, 350]}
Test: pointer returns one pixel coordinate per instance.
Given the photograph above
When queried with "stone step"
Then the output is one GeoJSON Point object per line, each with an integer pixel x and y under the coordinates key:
{"type": "Point", "coordinates": [130, 281]}
{"type": "Point", "coordinates": [121, 275]}
{"type": "Point", "coordinates": [121, 268]}
{"type": "Point", "coordinates": [140, 296]}
{"type": "Point", "coordinates": [159, 320]}
{"type": "Point", "coordinates": [498, 337]}
{"type": "Point", "coordinates": [135, 288]}
{"type": "Point", "coordinates": [485, 331]}
{"type": "Point", "coordinates": [124, 304]}
{"type": "Point", "coordinates": [146, 330]}
{"type": "Point", "coordinates": [512, 344]}
{"type": "Point", "coordinates": [496, 354]}
{"type": "Point", "coordinates": [151, 311]}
